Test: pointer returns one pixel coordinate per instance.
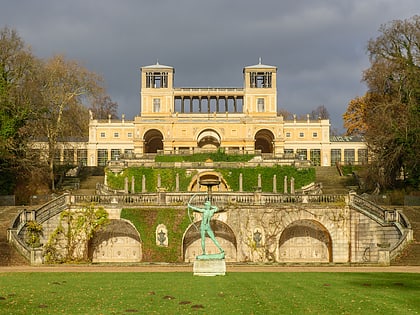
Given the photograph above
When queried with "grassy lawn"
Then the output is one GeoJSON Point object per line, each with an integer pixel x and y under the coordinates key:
{"type": "Point", "coordinates": [235, 293]}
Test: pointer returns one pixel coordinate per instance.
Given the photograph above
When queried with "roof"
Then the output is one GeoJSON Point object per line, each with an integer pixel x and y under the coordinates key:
{"type": "Point", "coordinates": [157, 66]}
{"type": "Point", "coordinates": [346, 139]}
{"type": "Point", "coordinates": [260, 66]}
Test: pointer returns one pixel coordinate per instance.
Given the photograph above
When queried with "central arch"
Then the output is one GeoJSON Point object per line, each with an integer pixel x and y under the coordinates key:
{"type": "Point", "coordinates": [305, 241]}
{"type": "Point", "coordinates": [208, 139]}
{"type": "Point", "coordinates": [191, 243]}
{"type": "Point", "coordinates": [153, 141]}
{"type": "Point", "coordinates": [264, 141]}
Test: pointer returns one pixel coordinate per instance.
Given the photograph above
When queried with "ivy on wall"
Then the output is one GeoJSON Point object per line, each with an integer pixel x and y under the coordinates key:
{"type": "Point", "coordinates": [146, 222]}
{"type": "Point", "coordinates": [303, 176]}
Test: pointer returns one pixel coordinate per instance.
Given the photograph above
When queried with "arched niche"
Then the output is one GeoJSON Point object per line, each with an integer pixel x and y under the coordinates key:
{"type": "Point", "coordinates": [305, 241]}
{"type": "Point", "coordinates": [191, 243]}
{"type": "Point", "coordinates": [117, 241]}
{"type": "Point", "coordinates": [208, 175]}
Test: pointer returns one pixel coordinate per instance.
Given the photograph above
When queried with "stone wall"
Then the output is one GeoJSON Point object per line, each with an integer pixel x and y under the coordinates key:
{"type": "Point", "coordinates": [320, 233]}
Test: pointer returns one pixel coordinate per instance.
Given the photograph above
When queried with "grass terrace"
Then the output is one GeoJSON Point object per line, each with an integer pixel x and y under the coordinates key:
{"type": "Point", "coordinates": [183, 293]}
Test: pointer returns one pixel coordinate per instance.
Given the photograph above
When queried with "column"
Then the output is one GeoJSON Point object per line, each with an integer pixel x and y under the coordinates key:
{"type": "Point", "coordinates": [240, 182]}
{"type": "Point", "coordinates": [285, 184]}
{"type": "Point", "coordinates": [133, 189]}
{"type": "Point", "coordinates": [292, 186]}
{"type": "Point", "coordinates": [158, 181]}
{"type": "Point", "coordinates": [177, 182]}
{"type": "Point", "coordinates": [274, 183]}
{"type": "Point", "coordinates": [143, 183]}
{"type": "Point", "coordinates": [126, 185]}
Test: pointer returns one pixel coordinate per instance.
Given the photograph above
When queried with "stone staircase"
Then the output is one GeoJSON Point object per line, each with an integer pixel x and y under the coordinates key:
{"type": "Point", "coordinates": [8, 254]}
{"type": "Point", "coordinates": [411, 254]}
{"type": "Point", "coordinates": [87, 180]}
{"type": "Point", "coordinates": [332, 182]}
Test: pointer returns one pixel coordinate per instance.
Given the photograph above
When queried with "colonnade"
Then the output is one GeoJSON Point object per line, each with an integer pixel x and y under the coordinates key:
{"type": "Point", "coordinates": [208, 104]}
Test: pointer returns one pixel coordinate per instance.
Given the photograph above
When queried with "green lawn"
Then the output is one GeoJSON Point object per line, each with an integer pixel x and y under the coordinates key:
{"type": "Point", "coordinates": [235, 293]}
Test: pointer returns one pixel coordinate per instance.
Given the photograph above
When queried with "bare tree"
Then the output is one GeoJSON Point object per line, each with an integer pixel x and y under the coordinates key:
{"type": "Point", "coordinates": [103, 108]}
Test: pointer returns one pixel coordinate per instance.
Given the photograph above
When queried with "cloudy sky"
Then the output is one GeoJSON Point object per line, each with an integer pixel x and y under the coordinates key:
{"type": "Point", "coordinates": [319, 46]}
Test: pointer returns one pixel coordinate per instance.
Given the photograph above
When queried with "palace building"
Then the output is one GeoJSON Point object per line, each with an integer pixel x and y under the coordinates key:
{"type": "Point", "coordinates": [179, 120]}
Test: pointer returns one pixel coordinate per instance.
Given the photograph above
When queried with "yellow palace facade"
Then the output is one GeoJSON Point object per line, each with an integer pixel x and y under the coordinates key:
{"type": "Point", "coordinates": [237, 120]}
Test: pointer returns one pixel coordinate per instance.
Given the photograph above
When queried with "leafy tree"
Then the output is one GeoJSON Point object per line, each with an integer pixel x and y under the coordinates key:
{"type": "Point", "coordinates": [355, 116]}
{"type": "Point", "coordinates": [389, 114]}
{"type": "Point", "coordinates": [70, 240]}
{"type": "Point", "coordinates": [18, 96]}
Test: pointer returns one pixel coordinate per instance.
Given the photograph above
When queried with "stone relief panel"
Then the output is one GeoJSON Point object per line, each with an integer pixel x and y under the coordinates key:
{"type": "Point", "coordinates": [162, 235]}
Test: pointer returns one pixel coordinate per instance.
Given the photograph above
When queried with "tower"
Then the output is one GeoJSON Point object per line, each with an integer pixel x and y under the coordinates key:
{"type": "Point", "coordinates": [157, 90]}
{"type": "Point", "coordinates": [260, 91]}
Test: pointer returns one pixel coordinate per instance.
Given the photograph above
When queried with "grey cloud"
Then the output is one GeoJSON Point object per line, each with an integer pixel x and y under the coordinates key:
{"type": "Point", "coordinates": [318, 46]}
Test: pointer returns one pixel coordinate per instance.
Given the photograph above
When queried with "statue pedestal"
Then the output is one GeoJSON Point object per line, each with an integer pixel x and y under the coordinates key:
{"type": "Point", "coordinates": [209, 267]}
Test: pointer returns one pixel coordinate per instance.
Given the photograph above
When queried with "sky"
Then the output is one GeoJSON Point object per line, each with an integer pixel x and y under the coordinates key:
{"type": "Point", "coordinates": [319, 46]}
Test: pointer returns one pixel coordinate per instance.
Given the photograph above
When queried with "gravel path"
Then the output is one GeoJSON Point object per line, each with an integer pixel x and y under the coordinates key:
{"type": "Point", "coordinates": [189, 268]}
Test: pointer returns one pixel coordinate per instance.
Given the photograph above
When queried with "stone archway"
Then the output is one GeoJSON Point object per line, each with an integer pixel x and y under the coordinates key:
{"type": "Point", "coordinates": [191, 243]}
{"type": "Point", "coordinates": [208, 139]}
{"type": "Point", "coordinates": [153, 141]}
{"type": "Point", "coordinates": [117, 241]}
{"type": "Point", "coordinates": [305, 241]}
{"type": "Point", "coordinates": [264, 141]}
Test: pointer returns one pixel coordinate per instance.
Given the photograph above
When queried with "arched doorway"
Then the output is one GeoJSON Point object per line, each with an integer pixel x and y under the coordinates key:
{"type": "Point", "coordinates": [305, 241]}
{"type": "Point", "coordinates": [117, 241]}
{"type": "Point", "coordinates": [191, 243]}
{"type": "Point", "coordinates": [264, 141]}
{"type": "Point", "coordinates": [208, 139]}
{"type": "Point", "coordinates": [153, 141]}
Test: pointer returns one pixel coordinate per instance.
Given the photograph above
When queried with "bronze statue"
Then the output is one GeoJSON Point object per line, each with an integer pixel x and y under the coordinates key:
{"type": "Point", "coordinates": [208, 212]}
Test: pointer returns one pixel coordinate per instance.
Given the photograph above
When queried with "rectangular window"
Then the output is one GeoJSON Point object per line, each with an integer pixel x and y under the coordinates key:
{"type": "Point", "coordinates": [129, 135]}
{"type": "Point", "coordinates": [69, 156]}
{"type": "Point", "coordinates": [102, 157]}
{"type": "Point", "coordinates": [315, 157]}
{"type": "Point", "coordinates": [156, 105]}
{"type": "Point", "coordinates": [315, 135]}
{"type": "Point", "coordinates": [349, 155]}
{"type": "Point", "coordinates": [116, 135]}
{"type": "Point", "coordinates": [115, 154]}
{"type": "Point", "coordinates": [289, 153]}
{"type": "Point", "coordinates": [302, 154]}
{"type": "Point", "coordinates": [362, 156]}
{"type": "Point", "coordinates": [301, 134]}
{"type": "Point", "coordinates": [288, 134]}
{"type": "Point", "coordinates": [129, 152]}
{"type": "Point", "coordinates": [103, 135]}
{"type": "Point", "coordinates": [82, 157]}
{"type": "Point", "coordinates": [335, 156]}
{"type": "Point", "coordinates": [260, 105]}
